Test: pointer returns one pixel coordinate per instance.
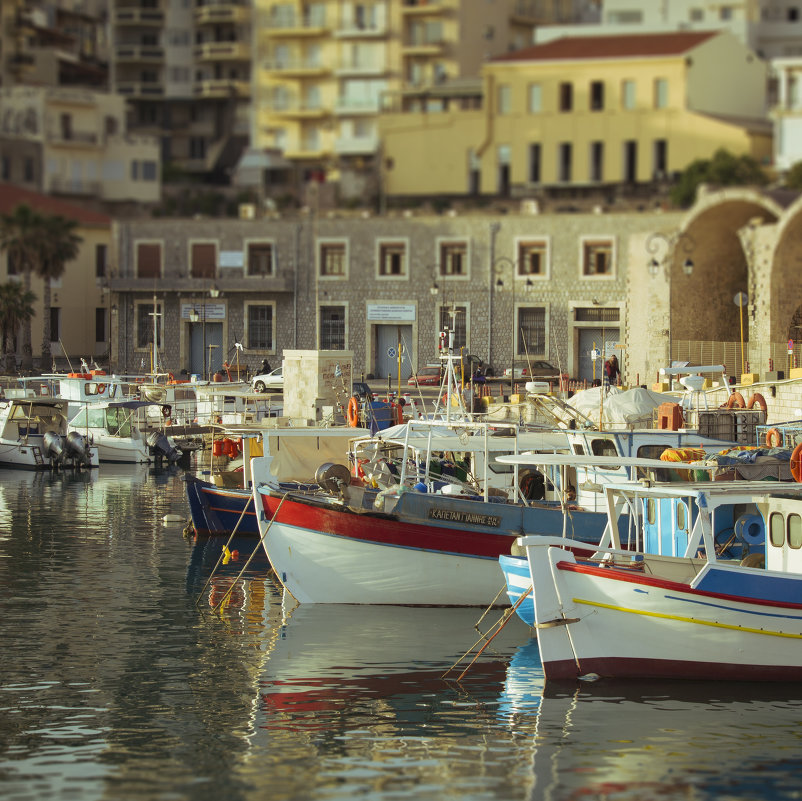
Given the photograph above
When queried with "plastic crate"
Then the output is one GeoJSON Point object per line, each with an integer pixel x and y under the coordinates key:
{"type": "Point", "coordinates": [735, 425]}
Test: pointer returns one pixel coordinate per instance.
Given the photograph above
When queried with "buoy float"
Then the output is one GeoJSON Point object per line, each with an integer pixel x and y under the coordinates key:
{"type": "Point", "coordinates": [173, 519]}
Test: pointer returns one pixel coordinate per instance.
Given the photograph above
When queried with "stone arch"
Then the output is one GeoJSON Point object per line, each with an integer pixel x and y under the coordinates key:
{"type": "Point", "coordinates": [784, 281]}
{"type": "Point", "coordinates": [702, 303]}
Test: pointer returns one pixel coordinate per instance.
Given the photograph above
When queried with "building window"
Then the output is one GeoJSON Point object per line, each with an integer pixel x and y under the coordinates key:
{"type": "Point", "coordinates": [597, 257]}
{"type": "Point", "coordinates": [535, 98]}
{"type": "Point", "coordinates": [144, 325]}
{"type": "Point", "coordinates": [596, 95]}
{"type": "Point", "coordinates": [392, 259]}
{"type": "Point", "coordinates": [531, 258]}
{"type": "Point", "coordinates": [628, 94]}
{"type": "Point", "coordinates": [148, 260]}
{"type": "Point", "coordinates": [660, 93]}
{"type": "Point", "coordinates": [531, 331]}
{"type": "Point", "coordinates": [660, 159]}
{"type": "Point", "coordinates": [566, 97]}
{"type": "Point", "coordinates": [203, 260]}
{"type": "Point", "coordinates": [596, 161]}
{"type": "Point", "coordinates": [504, 99]}
{"type": "Point", "coordinates": [55, 324]}
{"type": "Point", "coordinates": [332, 328]}
{"type": "Point", "coordinates": [260, 326]}
{"type": "Point", "coordinates": [150, 171]}
{"type": "Point", "coordinates": [453, 258]}
{"type": "Point", "coordinates": [535, 162]}
{"type": "Point", "coordinates": [453, 318]}
{"type": "Point", "coordinates": [333, 259]}
{"type": "Point", "coordinates": [28, 169]}
{"type": "Point", "coordinates": [100, 325]}
{"type": "Point", "coordinates": [101, 260]}
{"type": "Point", "coordinates": [260, 258]}
{"type": "Point", "coordinates": [565, 164]}
{"type": "Point", "coordinates": [630, 161]}
{"type": "Point", "coordinates": [725, 13]}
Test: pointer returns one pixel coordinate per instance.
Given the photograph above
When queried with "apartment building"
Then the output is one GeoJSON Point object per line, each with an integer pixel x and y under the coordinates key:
{"type": "Point", "coordinates": [325, 71]}
{"type": "Point", "coordinates": [585, 115]}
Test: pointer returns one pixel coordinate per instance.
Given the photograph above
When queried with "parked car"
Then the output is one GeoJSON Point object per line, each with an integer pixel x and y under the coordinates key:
{"type": "Point", "coordinates": [537, 369]}
{"type": "Point", "coordinates": [426, 377]}
{"type": "Point", "coordinates": [274, 380]}
{"type": "Point", "coordinates": [361, 391]}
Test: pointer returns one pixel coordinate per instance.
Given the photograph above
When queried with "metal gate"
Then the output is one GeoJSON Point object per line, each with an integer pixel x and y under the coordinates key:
{"type": "Point", "coordinates": [206, 349]}
{"type": "Point", "coordinates": [606, 342]}
{"type": "Point", "coordinates": [388, 338]}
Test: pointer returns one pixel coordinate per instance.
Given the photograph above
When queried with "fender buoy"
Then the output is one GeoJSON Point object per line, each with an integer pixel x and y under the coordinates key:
{"type": "Point", "coordinates": [166, 411]}
{"type": "Point", "coordinates": [736, 401]}
{"type": "Point", "coordinates": [773, 438]}
{"type": "Point", "coordinates": [796, 464]}
{"type": "Point", "coordinates": [353, 412]}
{"type": "Point", "coordinates": [758, 400]}
{"type": "Point", "coordinates": [399, 413]}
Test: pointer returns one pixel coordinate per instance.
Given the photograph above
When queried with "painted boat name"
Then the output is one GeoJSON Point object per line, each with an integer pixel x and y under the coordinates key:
{"type": "Point", "coordinates": [465, 517]}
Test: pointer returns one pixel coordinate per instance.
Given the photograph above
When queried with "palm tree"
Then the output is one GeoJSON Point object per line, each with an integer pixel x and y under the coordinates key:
{"type": "Point", "coordinates": [16, 308]}
{"type": "Point", "coordinates": [59, 244]}
{"type": "Point", "coordinates": [21, 237]}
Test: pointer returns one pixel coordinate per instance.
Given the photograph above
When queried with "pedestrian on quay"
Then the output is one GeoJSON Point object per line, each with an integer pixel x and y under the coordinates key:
{"type": "Point", "coordinates": [612, 372]}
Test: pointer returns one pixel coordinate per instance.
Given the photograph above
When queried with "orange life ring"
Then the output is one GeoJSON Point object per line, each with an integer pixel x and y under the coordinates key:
{"type": "Point", "coordinates": [101, 388]}
{"type": "Point", "coordinates": [353, 412]}
{"type": "Point", "coordinates": [758, 400]}
{"type": "Point", "coordinates": [796, 464]}
{"type": "Point", "coordinates": [773, 438]}
{"type": "Point", "coordinates": [736, 401]}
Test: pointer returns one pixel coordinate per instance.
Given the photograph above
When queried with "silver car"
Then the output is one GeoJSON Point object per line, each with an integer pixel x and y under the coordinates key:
{"type": "Point", "coordinates": [266, 382]}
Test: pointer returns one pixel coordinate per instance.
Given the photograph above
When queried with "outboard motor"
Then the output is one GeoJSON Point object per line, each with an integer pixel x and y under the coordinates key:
{"type": "Point", "coordinates": [161, 446]}
{"type": "Point", "coordinates": [77, 448]}
{"type": "Point", "coordinates": [53, 446]}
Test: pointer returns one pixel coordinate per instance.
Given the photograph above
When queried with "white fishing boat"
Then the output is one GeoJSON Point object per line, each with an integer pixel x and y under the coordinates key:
{"type": "Point", "coordinates": [118, 429]}
{"type": "Point", "coordinates": [34, 434]}
{"type": "Point", "coordinates": [711, 589]}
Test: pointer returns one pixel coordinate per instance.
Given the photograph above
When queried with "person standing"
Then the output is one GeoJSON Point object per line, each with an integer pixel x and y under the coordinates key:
{"type": "Point", "coordinates": [612, 372]}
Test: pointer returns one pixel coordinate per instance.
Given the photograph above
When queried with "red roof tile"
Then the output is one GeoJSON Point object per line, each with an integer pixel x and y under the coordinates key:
{"type": "Point", "coordinates": [12, 196]}
{"type": "Point", "coordinates": [584, 48]}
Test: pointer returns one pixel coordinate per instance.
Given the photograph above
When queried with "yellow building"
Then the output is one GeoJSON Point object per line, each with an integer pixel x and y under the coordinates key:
{"type": "Point", "coordinates": [81, 305]}
{"type": "Point", "coordinates": [584, 113]}
{"type": "Point", "coordinates": [323, 71]}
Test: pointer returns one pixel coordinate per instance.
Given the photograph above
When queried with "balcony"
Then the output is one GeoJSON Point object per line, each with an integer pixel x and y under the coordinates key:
{"type": "Point", "coordinates": [139, 16]}
{"type": "Point", "coordinates": [223, 51]}
{"type": "Point", "coordinates": [295, 27]}
{"type": "Point", "coordinates": [296, 68]}
{"type": "Point", "coordinates": [364, 30]}
{"type": "Point", "coordinates": [138, 52]}
{"type": "Point", "coordinates": [348, 67]}
{"type": "Point", "coordinates": [59, 185]}
{"type": "Point", "coordinates": [221, 88]}
{"type": "Point", "coordinates": [422, 7]}
{"type": "Point", "coordinates": [222, 13]}
{"type": "Point", "coordinates": [420, 46]}
{"type": "Point", "coordinates": [71, 138]}
{"type": "Point", "coordinates": [356, 145]}
{"type": "Point", "coordinates": [139, 89]}
{"type": "Point", "coordinates": [298, 111]}
{"type": "Point", "coordinates": [349, 106]}
{"type": "Point", "coordinates": [200, 286]}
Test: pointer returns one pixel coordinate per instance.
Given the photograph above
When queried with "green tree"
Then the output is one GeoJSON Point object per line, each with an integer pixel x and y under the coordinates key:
{"type": "Point", "coordinates": [59, 245]}
{"type": "Point", "coordinates": [724, 169]}
{"type": "Point", "coordinates": [16, 308]}
{"type": "Point", "coordinates": [793, 178]}
{"type": "Point", "coordinates": [21, 238]}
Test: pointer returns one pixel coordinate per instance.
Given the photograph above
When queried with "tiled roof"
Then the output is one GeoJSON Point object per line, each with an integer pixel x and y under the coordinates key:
{"type": "Point", "coordinates": [584, 48]}
{"type": "Point", "coordinates": [12, 196]}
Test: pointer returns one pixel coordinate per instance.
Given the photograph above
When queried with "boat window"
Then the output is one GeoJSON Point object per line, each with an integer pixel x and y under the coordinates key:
{"type": "Point", "coordinates": [651, 507]}
{"type": "Point", "coordinates": [794, 531]}
{"type": "Point", "coordinates": [650, 452]}
{"type": "Point", "coordinates": [682, 516]}
{"type": "Point", "coordinates": [777, 530]}
{"type": "Point", "coordinates": [96, 418]}
{"type": "Point", "coordinates": [578, 449]}
{"type": "Point", "coordinates": [604, 447]}
{"type": "Point", "coordinates": [79, 419]}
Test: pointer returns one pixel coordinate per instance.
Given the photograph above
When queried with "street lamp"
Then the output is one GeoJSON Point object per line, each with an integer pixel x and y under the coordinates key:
{"type": "Point", "coordinates": [516, 330]}
{"type": "Point", "coordinates": [664, 246]}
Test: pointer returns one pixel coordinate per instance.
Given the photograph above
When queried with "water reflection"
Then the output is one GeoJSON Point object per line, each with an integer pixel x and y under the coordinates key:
{"type": "Point", "coordinates": [638, 740]}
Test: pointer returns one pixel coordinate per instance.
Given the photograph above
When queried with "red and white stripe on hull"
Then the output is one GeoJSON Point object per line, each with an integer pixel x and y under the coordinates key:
{"type": "Point", "coordinates": [618, 623]}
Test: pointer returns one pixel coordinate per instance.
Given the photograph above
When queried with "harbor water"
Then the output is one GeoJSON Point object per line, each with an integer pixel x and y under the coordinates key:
{"type": "Point", "coordinates": [129, 671]}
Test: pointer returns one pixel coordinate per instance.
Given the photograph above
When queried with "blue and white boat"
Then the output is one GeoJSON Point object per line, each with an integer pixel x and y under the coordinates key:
{"type": "Point", "coordinates": [711, 590]}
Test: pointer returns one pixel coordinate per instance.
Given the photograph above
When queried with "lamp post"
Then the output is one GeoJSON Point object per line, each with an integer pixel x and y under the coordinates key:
{"type": "Point", "coordinates": [497, 268]}
{"type": "Point", "coordinates": [194, 318]}
{"type": "Point", "coordinates": [664, 246]}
